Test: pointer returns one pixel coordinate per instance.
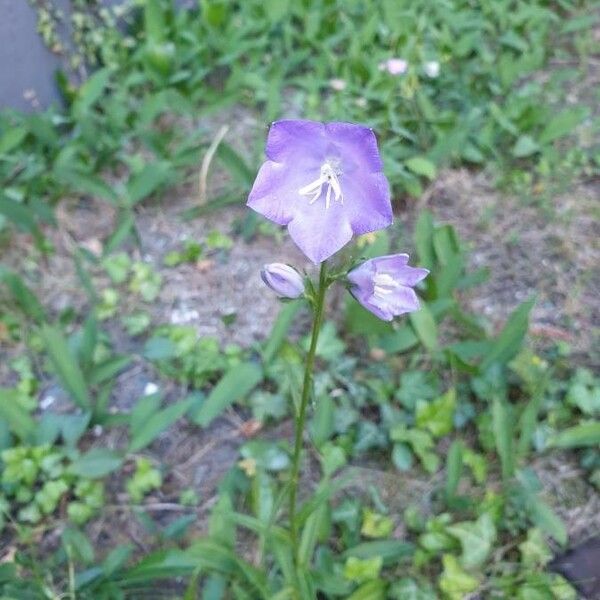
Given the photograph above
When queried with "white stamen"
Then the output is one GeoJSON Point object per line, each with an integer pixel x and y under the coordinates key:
{"type": "Point", "coordinates": [384, 285]}
{"type": "Point", "coordinates": [329, 177]}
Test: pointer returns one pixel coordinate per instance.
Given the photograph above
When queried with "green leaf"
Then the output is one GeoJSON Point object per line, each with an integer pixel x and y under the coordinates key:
{"type": "Point", "coordinates": [96, 463]}
{"type": "Point", "coordinates": [437, 415]}
{"type": "Point", "coordinates": [424, 239]}
{"type": "Point", "coordinates": [508, 343]}
{"type": "Point", "coordinates": [454, 464]}
{"type": "Point", "coordinates": [21, 216]}
{"type": "Point", "coordinates": [375, 525]}
{"type": "Point", "coordinates": [89, 93]}
{"type": "Point", "coordinates": [279, 330]}
{"type": "Point", "coordinates": [476, 539]}
{"type": "Point", "coordinates": [503, 427]}
{"type": "Point", "coordinates": [23, 296]}
{"type": "Point", "coordinates": [362, 569]}
{"type": "Point", "coordinates": [456, 583]}
{"type": "Point", "coordinates": [147, 430]}
{"type": "Point", "coordinates": [372, 590]}
{"type": "Point", "coordinates": [154, 21]}
{"type": "Point", "coordinates": [390, 551]}
{"type": "Point", "coordinates": [579, 436]}
{"type": "Point", "coordinates": [235, 164]}
{"type": "Point", "coordinates": [563, 124]}
{"type": "Point", "coordinates": [85, 183]}
{"type": "Point", "coordinates": [525, 146]}
{"type": "Point", "coordinates": [147, 181]}
{"type": "Point", "coordinates": [19, 420]}
{"type": "Point", "coordinates": [12, 138]}
{"type": "Point", "coordinates": [425, 326]}
{"type": "Point", "coordinates": [422, 166]}
{"type": "Point", "coordinates": [234, 385]}
{"type": "Point", "coordinates": [65, 366]}
{"type": "Point", "coordinates": [547, 520]}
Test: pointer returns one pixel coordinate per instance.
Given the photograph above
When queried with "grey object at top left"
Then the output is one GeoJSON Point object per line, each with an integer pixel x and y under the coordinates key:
{"type": "Point", "coordinates": [27, 66]}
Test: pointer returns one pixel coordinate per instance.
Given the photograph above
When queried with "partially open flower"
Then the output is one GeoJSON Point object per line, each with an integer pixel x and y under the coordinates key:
{"type": "Point", "coordinates": [384, 285]}
{"type": "Point", "coordinates": [325, 182]}
{"type": "Point", "coordinates": [394, 66]}
{"type": "Point", "coordinates": [284, 280]}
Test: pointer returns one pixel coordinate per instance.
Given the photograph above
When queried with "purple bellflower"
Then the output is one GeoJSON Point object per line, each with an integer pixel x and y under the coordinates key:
{"type": "Point", "coordinates": [384, 285]}
{"type": "Point", "coordinates": [284, 280]}
{"type": "Point", "coordinates": [325, 182]}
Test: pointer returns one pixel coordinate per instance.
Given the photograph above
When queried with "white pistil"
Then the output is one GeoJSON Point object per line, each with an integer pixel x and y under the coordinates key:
{"type": "Point", "coordinates": [384, 285]}
{"type": "Point", "coordinates": [329, 177]}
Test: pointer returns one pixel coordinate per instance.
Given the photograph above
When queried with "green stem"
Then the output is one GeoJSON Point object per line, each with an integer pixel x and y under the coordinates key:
{"type": "Point", "coordinates": [301, 414]}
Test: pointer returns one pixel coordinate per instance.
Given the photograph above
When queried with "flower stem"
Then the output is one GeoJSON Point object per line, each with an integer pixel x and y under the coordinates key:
{"type": "Point", "coordinates": [300, 420]}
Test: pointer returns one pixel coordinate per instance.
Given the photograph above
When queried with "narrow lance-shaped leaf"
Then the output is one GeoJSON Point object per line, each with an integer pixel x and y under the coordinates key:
{"type": "Point", "coordinates": [65, 366]}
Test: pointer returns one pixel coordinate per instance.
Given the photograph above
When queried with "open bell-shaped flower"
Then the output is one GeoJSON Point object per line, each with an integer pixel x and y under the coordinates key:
{"type": "Point", "coordinates": [284, 280]}
{"type": "Point", "coordinates": [384, 285]}
{"type": "Point", "coordinates": [325, 182]}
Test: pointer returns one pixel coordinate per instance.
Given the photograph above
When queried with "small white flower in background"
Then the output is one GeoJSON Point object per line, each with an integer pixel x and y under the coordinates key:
{"type": "Point", "coordinates": [182, 316]}
{"type": "Point", "coordinates": [151, 388]}
{"type": "Point", "coordinates": [97, 430]}
{"type": "Point", "coordinates": [394, 66]}
{"type": "Point", "coordinates": [432, 68]}
{"type": "Point", "coordinates": [47, 402]}
{"type": "Point", "coordinates": [338, 85]}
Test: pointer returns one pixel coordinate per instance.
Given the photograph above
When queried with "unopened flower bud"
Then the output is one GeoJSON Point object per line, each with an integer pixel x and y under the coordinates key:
{"type": "Point", "coordinates": [284, 280]}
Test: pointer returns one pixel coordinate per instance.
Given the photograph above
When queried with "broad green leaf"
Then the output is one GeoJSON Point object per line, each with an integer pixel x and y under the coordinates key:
{"type": "Point", "coordinates": [12, 138]}
{"type": "Point", "coordinates": [375, 525]}
{"type": "Point", "coordinates": [65, 366]}
{"type": "Point", "coordinates": [437, 415]}
{"type": "Point", "coordinates": [425, 327]}
{"type": "Point", "coordinates": [234, 385]}
{"type": "Point", "coordinates": [362, 569]}
{"type": "Point", "coordinates": [525, 146]}
{"type": "Point", "coordinates": [421, 166]}
{"type": "Point", "coordinates": [563, 124]}
{"type": "Point", "coordinates": [96, 463]}
{"type": "Point", "coordinates": [476, 539]}
{"type": "Point", "coordinates": [456, 583]}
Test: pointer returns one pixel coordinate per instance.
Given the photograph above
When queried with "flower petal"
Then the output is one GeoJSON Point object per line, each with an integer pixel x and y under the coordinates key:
{"type": "Point", "coordinates": [367, 202]}
{"type": "Point", "coordinates": [320, 232]}
{"type": "Point", "coordinates": [275, 192]}
{"type": "Point", "coordinates": [402, 301]}
{"type": "Point", "coordinates": [300, 143]}
{"type": "Point", "coordinates": [356, 144]}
